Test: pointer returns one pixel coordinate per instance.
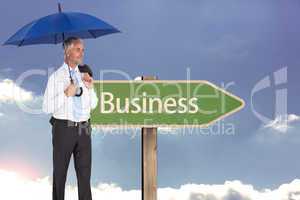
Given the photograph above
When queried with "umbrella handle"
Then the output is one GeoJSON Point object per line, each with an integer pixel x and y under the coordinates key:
{"type": "Point", "coordinates": [81, 90]}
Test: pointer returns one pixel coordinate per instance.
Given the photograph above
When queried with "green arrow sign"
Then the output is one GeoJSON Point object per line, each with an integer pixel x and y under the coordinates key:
{"type": "Point", "coordinates": [160, 103]}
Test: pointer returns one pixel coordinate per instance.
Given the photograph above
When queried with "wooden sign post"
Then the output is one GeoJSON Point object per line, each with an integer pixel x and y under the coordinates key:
{"type": "Point", "coordinates": [149, 159]}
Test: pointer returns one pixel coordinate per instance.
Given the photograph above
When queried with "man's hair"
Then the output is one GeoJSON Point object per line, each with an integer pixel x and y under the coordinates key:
{"type": "Point", "coordinates": [69, 41]}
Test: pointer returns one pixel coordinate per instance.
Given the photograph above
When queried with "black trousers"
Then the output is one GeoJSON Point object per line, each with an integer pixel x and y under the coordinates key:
{"type": "Point", "coordinates": [67, 139]}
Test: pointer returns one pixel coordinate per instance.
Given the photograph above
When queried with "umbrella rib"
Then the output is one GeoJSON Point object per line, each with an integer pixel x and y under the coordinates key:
{"type": "Point", "coordinates": [21, 43]}
{"type": "Point", "coordinates": [55, 39]}
{"type": "Point", "coordinates": [92, 34]}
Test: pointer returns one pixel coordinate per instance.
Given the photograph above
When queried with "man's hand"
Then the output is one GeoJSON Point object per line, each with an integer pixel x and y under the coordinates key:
{"type": "Point", "coordinates": [70, 90]}
{"type": "Point", "coordinates": [88, 81]}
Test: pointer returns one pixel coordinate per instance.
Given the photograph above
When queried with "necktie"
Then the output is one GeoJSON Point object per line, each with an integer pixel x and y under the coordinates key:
{"type": "Point", "coordinates": [77, 104]}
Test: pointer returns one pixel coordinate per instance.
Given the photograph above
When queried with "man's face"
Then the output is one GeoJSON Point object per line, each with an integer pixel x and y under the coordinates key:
{"type": "Point", "coordinates": [76, 52]}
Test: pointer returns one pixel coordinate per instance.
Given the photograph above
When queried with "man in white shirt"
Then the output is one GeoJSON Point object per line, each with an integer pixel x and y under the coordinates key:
{"type": "Point", "coordinates": [70, 99]}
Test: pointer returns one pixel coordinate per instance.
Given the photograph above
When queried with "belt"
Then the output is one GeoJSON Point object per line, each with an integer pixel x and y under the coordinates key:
{"type": "Point", "coordinates": [68, 122]}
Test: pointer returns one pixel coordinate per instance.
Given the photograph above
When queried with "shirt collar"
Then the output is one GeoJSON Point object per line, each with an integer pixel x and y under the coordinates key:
{"type": "Point", "coordinates": [65, 65]}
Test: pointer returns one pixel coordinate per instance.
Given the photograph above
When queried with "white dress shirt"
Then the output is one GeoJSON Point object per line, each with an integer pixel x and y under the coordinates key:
{"type": "Point", "coordinates": [61, 106]}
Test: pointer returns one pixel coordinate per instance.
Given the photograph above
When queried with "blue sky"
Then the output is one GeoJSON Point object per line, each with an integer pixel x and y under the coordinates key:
{"type": "Point", "coordinates": [219, 41]}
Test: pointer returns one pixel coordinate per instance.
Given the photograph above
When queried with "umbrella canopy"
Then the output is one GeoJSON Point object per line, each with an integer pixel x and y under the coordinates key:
{"type": "Point", "coordinates": [55, 28]}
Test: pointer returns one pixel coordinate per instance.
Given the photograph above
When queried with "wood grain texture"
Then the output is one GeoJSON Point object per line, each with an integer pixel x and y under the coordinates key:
{"type": "Point", "coordinates": [149, 159]}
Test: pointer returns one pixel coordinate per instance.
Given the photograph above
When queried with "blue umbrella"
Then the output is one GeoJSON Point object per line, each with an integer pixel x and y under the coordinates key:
{"type": "Point", "coordinates": [53, 29]}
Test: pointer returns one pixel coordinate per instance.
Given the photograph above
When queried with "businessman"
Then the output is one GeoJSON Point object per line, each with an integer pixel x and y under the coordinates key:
{"type": "Point", "coordinates": [70, 97]}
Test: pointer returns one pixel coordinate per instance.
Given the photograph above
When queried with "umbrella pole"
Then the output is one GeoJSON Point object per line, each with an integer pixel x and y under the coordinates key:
{"type": "Point", "coordinates": [59, 7]}
{"type": "Point", "coordinates": [70, 75]}
{"type": "Point", "coordinates": [63, 39]}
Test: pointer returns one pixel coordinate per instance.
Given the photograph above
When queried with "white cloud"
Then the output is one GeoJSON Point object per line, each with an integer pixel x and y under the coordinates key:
{"type": "Point", "coordinates": [282, 122]}
{"type": "Point", "coordinates": [138, 78]}
{"type": "Point", "coordinates": [14, 187]}
{"type": "Point", "coordinates": [10, 92]}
